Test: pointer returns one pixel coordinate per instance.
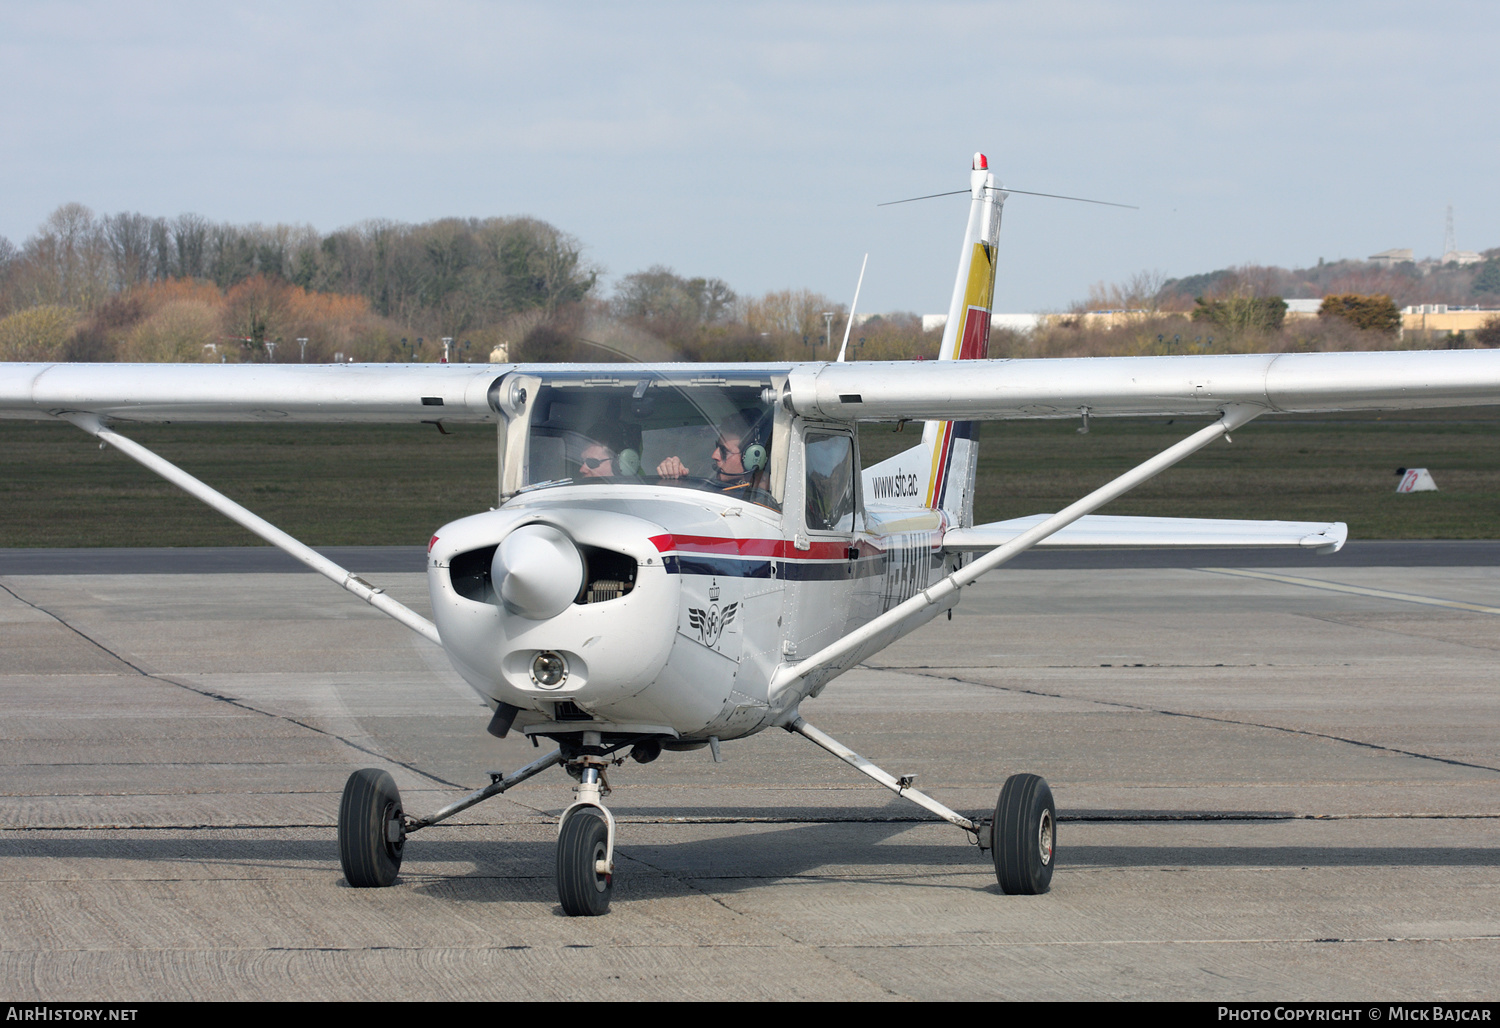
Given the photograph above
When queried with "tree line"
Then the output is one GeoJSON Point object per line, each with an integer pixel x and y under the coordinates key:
{"type": "Point", "coordinates": [132, 287]}
{"type": "Point", "coordinates": [129, 286]}
{"type": "Point", "coordinates": [1406, 283]}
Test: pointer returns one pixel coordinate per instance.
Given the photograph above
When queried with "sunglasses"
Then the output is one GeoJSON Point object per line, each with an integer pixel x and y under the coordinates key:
{"type": "Point", "coordinates": [592, 463]}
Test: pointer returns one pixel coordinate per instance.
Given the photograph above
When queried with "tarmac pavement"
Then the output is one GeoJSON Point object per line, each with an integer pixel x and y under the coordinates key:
{"type": "Point", "coordinates": [1276, 787]}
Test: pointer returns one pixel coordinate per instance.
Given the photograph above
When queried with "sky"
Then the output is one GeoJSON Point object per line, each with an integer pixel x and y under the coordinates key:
{"type": "Point", "coordinates": [752, 142]}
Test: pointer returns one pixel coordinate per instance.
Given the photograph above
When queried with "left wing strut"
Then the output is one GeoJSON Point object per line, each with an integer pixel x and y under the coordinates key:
{"type": "Point", "coordinates": [1234, 416]}
{"type": "Point", "coordinates": [372, 595]}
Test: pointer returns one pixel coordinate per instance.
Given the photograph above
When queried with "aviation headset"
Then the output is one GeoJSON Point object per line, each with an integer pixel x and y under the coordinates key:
{"type": "Point", "coordinates": [754, 457]}
{"type": "Point", "coordinates": [755, 452]}
{"type": "Point", "coordinates": [628, 462]}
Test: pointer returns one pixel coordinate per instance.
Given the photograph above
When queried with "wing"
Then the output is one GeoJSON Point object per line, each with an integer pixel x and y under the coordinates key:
{"type": "Point", "coordinates": [252, 392]}
{"type": "Point", "coordinates": [1108, 530]}
{"type": "Point", "coordinates": [1116, 386]}
{"type": "Point", "coordinates": [862, 391]}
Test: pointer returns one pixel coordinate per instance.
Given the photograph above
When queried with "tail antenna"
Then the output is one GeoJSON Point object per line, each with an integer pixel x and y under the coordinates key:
{"type": "Point", "coordinates": [850, 323]}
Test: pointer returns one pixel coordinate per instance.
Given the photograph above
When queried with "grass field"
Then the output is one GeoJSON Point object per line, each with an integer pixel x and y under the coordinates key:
{"type": "Point", "coordinates": [393, 485]}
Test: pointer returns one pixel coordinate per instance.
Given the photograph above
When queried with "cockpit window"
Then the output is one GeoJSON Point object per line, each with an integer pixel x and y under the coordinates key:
{"type": "Point", "coordinates": [711, 432]}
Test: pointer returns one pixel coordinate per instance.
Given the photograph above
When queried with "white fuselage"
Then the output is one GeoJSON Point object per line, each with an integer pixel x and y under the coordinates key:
{"type": "Point", "coordinates": [724, 592]}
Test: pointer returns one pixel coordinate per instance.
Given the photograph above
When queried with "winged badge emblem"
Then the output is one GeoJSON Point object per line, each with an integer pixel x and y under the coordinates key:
{"type": "Point", "coordinates": [711, 623]}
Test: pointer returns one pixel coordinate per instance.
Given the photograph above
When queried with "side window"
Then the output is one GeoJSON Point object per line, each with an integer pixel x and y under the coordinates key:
{"type": "Point", "coordinates": [829, 460]}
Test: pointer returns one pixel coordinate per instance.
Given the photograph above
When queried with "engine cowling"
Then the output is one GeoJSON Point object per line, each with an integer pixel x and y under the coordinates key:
{"type": "Point", "coordinates": [583, 587]}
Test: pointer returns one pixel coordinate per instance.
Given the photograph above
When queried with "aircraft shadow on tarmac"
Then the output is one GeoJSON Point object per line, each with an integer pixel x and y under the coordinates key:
{"type": "Point", "coordinates": [736, 857]}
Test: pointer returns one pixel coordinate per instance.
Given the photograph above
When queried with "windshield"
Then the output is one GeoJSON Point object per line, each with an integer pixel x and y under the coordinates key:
{"type": "Point", "coordinates": [714, 432]}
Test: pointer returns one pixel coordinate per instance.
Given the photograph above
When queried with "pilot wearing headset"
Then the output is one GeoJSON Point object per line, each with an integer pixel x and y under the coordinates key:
{"type": "Point", "coordinates": [740, 457]}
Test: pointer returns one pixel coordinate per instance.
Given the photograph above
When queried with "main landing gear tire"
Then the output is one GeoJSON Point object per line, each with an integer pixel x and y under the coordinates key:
{"type": "Point", "coordinates": [371, 835]}
{"type": "Point", "coordinates": [583, 842]}
{"type": "Point", "coordinates": [1024, 836]}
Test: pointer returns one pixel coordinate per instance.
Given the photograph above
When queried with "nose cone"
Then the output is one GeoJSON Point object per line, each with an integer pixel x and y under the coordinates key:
{"type": "Point", "coordinates": [538, 572]}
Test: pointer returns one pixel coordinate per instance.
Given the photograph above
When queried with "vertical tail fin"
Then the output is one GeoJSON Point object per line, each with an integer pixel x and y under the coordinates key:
{"type": "Point", "coordinates": [941, 470]}
{"type": "Point", "coordinates": [953, 446]}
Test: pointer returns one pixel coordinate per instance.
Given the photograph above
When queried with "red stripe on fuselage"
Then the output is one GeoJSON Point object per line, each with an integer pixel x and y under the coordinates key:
{"type": "Point", "coordinates": [778, 548]}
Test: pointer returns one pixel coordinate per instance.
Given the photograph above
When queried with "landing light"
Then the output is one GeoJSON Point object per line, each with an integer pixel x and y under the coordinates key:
{"type": "Point", "coordinates": [549, 670]}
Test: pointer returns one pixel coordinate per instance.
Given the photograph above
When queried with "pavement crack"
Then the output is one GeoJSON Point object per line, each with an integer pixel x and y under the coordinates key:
{"type": "Point", "coordinates": [251, 708]}
{"type": "Point", "coordinates": [76, 631]}
{"type": "Point", "coordinates": [1121, 704]}
{"type": "Point", "coordinates": [780, 931]}
{"type": "Point", "coordinates": [222, 698]}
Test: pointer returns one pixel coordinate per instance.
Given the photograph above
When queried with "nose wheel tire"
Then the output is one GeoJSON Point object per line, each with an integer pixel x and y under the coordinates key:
{"type": "Point", "coordinates": [371, 835]}
{"type": "Point", "coordinates": [1024, 836]}
{"type": "Point", "coordinates": [582, 845]}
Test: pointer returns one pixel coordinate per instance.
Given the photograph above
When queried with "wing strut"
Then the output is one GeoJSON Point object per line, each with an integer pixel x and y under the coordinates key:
{"type": "Point", "coordinates": [372, 595]}
{"type": "Point", "coordinates": [900, 786]}
{"type": "Point", "coordinates": [1233, 417]}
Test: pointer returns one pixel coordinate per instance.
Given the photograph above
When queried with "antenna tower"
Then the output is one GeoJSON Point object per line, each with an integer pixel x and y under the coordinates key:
{"type": "Point", "coordinates": [1450, 241]}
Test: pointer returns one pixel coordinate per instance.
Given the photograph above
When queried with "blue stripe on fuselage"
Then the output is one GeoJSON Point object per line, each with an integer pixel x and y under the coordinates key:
{"type": "Point", "coordinates": [787, 570]}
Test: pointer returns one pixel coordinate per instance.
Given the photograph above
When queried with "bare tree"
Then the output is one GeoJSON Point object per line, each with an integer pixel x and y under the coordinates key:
{"type": "Point", "coordinates": [659, 294]}
{"type": "Point", "coordinates": [9, 260]}
{"type": "Point", "coordinates": [128, 237]}
{"type": "Point", "coordinates": [794, 314]}
{"type": "Point", "coordinates": [190, 240]}
{"type": "Point", "coordinates": [69, 259]}
{"type": "Point", "coordinates": [1141, 292]}
{"type": "Point", "coordinates": [160, 245]}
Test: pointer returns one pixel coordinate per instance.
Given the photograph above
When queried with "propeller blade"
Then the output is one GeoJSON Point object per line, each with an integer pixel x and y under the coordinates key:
{"type": "Point", "coordinates": [1007, 189]}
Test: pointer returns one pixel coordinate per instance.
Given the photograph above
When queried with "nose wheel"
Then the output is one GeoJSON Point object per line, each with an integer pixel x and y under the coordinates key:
{"type": "Point", "coordinates": [1024, 836]}
{"type": "Point", "coordinates": [584, 878]}
{"type": "Point", "coordinates": [371, 831]}
{"type": "Point", "coordinates": [585, 844]}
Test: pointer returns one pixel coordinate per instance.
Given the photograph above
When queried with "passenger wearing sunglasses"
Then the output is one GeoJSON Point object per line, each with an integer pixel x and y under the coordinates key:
{"type": "Point", "coordinates": [607, 453]}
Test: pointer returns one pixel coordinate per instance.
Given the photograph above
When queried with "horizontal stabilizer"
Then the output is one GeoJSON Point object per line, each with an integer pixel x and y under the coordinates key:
{"type": "Point", "coordinates": [1108, 530]}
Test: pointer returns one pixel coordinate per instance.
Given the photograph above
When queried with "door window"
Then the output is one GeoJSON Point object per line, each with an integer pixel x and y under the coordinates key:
{"type": "Point", "coordinates": [829, 459]}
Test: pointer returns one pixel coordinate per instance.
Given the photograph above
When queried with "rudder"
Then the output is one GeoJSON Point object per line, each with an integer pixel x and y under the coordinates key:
{"type": "Point", "coordinates": [953, 446]}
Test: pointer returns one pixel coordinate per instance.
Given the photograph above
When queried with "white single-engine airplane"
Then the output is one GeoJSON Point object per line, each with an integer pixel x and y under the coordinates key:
{"type": "Point", "coordinates": [682, 554]}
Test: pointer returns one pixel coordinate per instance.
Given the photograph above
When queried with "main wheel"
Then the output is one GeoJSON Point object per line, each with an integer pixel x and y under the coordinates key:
{"type": "Point", "coordinates": [1024, 836]}
{"type": "Point", "coordinates": [583, 842]}
{"type": "Point", "coordinates": [371, 835]}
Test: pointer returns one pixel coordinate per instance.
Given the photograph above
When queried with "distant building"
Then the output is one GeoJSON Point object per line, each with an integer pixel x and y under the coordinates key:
{"type": "Point", "coordinates": [1030, 322]}
{"type": "Point", "coordinates": [1015, 322]}
{"type": "Point", "coordinates": [1390, 257]}
{"type": "Point", "coordinates": [1439, 317]}
{"type": "Point", "coordinates": [1301, 308]}
{"type": "Point", "coordinates": [1461, 257]}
